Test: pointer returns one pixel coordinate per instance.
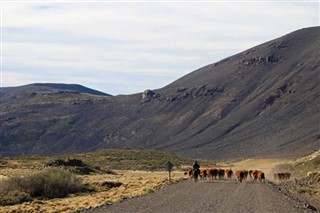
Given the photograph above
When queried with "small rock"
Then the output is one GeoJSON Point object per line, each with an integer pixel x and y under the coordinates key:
{"type": "Point", "coordinates": [308, 206]}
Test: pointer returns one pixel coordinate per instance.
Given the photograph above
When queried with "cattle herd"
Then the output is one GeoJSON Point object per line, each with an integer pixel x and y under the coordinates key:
{"type": "Point", "coordinates": [241, 175]}
{"type": "Point", "coordinates": [281, 176]}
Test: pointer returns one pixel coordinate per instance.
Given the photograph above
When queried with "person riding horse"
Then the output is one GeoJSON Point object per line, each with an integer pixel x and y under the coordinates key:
{"type": "Point", "coordinates": [196, 168]}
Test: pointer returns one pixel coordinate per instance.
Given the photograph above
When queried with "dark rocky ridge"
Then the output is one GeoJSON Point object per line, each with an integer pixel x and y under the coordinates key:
{"type": "Point", "coordinates": [263, 102]}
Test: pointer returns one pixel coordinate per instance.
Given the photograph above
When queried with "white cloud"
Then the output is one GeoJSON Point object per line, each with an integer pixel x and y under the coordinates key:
{"type": "Point", "coordinates": [111, 40]}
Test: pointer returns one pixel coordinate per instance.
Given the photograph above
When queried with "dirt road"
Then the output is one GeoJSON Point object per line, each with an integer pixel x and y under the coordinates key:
{"type": "Point", "coordinates": [210, 196]}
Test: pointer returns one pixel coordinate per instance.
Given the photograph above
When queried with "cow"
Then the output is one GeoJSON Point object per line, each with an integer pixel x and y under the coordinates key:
{"type": "Point", "coordinates": [282, 176]}
{"type": "Point", "coordinates": [240, 175]}
{"type": "Point", "coordinates": [213, 173]}
{"type": "Point", "coordinates": [221, 173]}
{"type": "Point", "coordinates": [189, 172]}
{"type": "Point", "coordinates": [245, 172]}
{"type": "Point", "coordinates": [255, 175]}
{"type": "Point", "coordinates": [229, 173]}
{"type": "Point", "coordinates": [250, 174]}
{"type": "Point", "coordinates": [261, 176]}
{"type": "Point", "coordinates": [287, 175]}
{"type": "Point", "coordinates": [203, 173]}
{"type": "Point", "coordinates": [209, 173]}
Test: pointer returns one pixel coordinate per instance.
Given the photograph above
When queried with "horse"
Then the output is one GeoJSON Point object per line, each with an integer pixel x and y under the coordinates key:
{"type": "Point", "coordinates": [195, 174]}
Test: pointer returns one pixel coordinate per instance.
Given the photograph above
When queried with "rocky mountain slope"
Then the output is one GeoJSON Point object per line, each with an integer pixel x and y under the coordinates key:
{"type": "Point", "coordinates": [263, 102]}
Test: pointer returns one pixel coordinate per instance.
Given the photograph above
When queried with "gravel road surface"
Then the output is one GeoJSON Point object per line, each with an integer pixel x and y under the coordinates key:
{"type": "Point", "coordinates": [210, 196]}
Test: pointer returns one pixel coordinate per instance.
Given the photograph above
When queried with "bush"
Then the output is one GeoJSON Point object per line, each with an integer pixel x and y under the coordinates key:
{"type": "Point", "coordinates": [316, 161]}
{"type": "Point", "coordinates": [53, 183]}
{"type": "Point", "coordinates": [304, 190]}
{"type": "Point", "coordinates": [14, 197]}
{"type": "Point", "coordinates": [11, 194]}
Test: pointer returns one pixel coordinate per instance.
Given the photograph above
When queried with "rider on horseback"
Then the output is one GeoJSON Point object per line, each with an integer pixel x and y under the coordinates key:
{"type": "Point", "coordinates": [196, 167]}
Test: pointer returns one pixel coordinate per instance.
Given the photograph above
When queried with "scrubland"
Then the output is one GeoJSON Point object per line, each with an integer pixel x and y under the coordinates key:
{"type": "Point", "coordinates": [28, 185]}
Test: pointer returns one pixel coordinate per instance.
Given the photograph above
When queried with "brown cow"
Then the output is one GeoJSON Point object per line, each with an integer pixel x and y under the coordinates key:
{"type": "Point", "coordinates": [239, 175]}
{"type": "Point", "coordinates": [229, 173]}
{"type": "Point", "coordinates": [203, 173]}
{"type": "Point", "coordinates": [250, 174]}
{"type": "Point", "coordinates": [189, 172]}
{"type": "Point", "coordinates": [209, 174]}
{"type": "Point", "coordinates": [282, 176]}
{"type": "Point", "coordinates": [255, 175]}
{"type": "Point", "coordinates": [214, 173]}
{"type": "Point", "coordinates": [261, 176]}
{"type": "Point", "coordinates": [287, 175]}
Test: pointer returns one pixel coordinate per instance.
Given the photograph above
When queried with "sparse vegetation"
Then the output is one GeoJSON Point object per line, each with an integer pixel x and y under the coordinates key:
{"type": "Point", "coordinates": [149, 191]}
{"type": "Point", "coordinates": [22, 178]}
{"type": "Point", "coordinates": [52, 183]}
{"type": "Point", "coordinates": [2, 162]}
{"type": "Point", "coordinates": [316, 161]}
{"type": "Point", "coordinates": [134, 160]}
{"type": "Point", "coordinates": [300, 168]}
{"type": "Point", "coordinates": [285, 167]}
{"type": "Point", "coordinates": [110, 184]}
{"type": "Point", "coordinates": [304, 189]}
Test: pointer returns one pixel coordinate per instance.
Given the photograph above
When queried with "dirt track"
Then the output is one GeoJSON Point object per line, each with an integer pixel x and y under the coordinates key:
{"type": "Point", "coordinates": [210, 196]}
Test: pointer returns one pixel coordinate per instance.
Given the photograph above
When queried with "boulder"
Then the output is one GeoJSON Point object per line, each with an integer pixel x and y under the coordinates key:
{"type": "Point", "coordinates": [147, 95]}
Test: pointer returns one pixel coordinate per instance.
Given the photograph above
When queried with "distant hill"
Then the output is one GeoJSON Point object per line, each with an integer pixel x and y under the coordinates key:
{"type": "Point", "coordinates": [42, 87]}
{"type": "Point", "coordinates": [263, 102]}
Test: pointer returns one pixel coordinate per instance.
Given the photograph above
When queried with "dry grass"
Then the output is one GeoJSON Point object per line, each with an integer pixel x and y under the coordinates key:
{"type": "Point", "coordinates": [109, 188]}
{"type": "Point", "coordinates": [133, 184]}
{"type": "Point", "coordinates": [266, 165]}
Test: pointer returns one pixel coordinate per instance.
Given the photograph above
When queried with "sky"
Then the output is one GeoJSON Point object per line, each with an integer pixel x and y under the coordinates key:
{"type": "Point", "coordinates": [126, 47]}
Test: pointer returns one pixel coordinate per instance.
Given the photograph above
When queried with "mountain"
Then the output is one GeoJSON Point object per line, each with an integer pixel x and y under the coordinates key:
{"type": "Point", "coordinates": [263, 102]}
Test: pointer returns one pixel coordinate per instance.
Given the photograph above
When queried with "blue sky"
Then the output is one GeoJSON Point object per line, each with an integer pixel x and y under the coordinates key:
{"type": "Point", "coordinates": [127, 47]}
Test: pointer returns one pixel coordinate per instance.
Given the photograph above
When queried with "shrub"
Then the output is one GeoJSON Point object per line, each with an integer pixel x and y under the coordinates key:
{"type": "Point", "coordinates": [316, 161]}
{"type": "Point", "coordinates": [110, 172]}
{"type": "Point", "coordinates": [53, 183]}
{"type": "Point", "coordinates": [149, 191]}
{"type": "Point", "coordinates": [304, 190]}
{"type": "Point", "coordinates": [11, 194]}
{"type": "Point", "coordinates": [14, 197]}
{"type": "Point", "coordinates": [110, 184]}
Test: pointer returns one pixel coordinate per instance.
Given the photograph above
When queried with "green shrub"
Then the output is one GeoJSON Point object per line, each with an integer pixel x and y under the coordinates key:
{"type": "Point", "coordinates": [149, 191]}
